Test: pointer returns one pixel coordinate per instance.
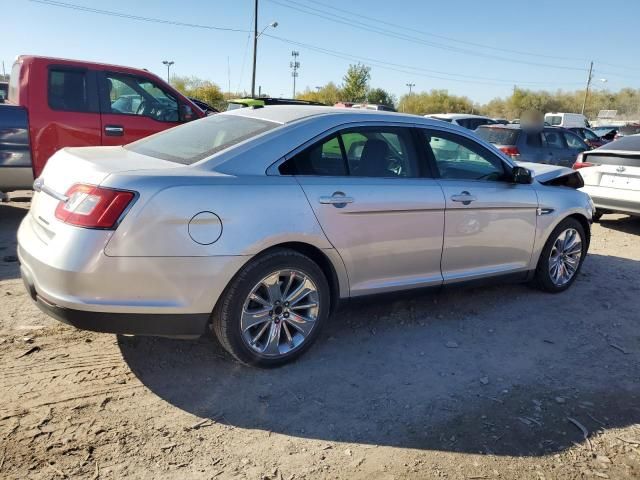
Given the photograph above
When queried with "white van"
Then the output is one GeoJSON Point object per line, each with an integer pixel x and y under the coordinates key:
{"type": "Point", "coordinates": [566, 120]}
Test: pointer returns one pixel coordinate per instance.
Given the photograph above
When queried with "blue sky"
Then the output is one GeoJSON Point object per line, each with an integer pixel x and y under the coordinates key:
{"type": "Point", "coordinates": [465, 46]}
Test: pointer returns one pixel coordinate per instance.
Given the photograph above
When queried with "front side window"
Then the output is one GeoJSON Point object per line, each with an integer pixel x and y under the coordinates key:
{"type": "Point", "coordinates": [459, 158]}
{"type": "Point", "coordinates": [68, 90]}
{"type": "Point", "coordinates": [383, 152]}
{"type": "Point", "coordinates": [589, 135]}
{"type": "Point", "coordinates": [131, 95]}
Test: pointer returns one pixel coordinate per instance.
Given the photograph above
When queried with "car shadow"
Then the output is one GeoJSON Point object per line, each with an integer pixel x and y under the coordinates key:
{"type": "Point", "coordinates": [625, 224]}
{"type": "Point", "coordinates": [10, 218]}
{"type": "Point", "coordinates": [505, 370]}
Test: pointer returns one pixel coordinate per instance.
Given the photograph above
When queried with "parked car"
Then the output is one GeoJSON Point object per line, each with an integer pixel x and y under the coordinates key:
{"type": "Point", "coordinates": [501, 121]}
{"type": "Point", "coordinates": [465, 120]}
{"type": "Point", "coordinates": [373, 106]}
{"type": "Point", "coordinates": [589, 136]}
{"type": "Point", "coordinates": [204, 106]}
{"type": "Point", "coordinates": [260, 102]}
{"type": "Point", "coordinates": [606, 133]}
{"type": "Point", "coordinates": [551, 145]}
{"type": "Point", "coordinates": [4, 91]}
{"type": "Point", "coordinates": [55, 103]}
{"type": "Point", "coordinates": [628, 129]}
{"type": "Point", "coordinates": [258, 222]}
{"type": "Point", "coordinates": [611, 176]}
{"type": "Point", "coordinates": [566, 120]}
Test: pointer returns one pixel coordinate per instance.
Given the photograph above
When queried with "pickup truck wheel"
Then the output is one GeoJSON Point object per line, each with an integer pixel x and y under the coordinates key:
{"type": "Point", "coordinates": [273, 309]}
{"type": "Point", "coordinates": [561, 257]}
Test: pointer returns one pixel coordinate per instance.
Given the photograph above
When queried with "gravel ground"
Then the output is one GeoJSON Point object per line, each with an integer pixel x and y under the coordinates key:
{"type": "Point", "coordinates": [494, 382]}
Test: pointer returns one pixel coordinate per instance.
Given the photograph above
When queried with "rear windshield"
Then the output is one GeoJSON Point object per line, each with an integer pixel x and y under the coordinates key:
{"type": "Point", "coordinates": [625, 143]}
{"type": "Point", "coordinates": [629, 130]}
{"type": "Point", "coordinates": [200, 139]}
{"type": "Point", "coordinates": [499, 136]}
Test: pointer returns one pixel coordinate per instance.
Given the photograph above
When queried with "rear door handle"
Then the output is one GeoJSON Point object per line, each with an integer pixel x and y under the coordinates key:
{"type": "Point", "coordinates": [338, 200]}
{"type": "Point", "coordinates": [465, 197]}
{"type": "Point", "coordinates": [114, 130]}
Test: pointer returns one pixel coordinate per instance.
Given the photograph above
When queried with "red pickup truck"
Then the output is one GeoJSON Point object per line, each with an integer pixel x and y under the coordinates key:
{"type": "Point", "coordinates": [55, 103]}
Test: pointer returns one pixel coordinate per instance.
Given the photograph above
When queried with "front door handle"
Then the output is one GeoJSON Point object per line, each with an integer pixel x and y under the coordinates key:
{"type": "Point", "coordinates": [465, 197]}
{"type": "Point", "coordinates": [114, 130]}
{"type": "Point", "coordinates": [338, 200]}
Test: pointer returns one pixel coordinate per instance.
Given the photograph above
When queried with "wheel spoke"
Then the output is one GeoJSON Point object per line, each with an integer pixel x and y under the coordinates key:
{"type": "Point", "coordinates": [288, 334]}
{"type": "Point", "coordinates": [304, 306]}
{"type": "Point", "coordinates": [292, 277]}
{"type": "Point", "coordinates": [255, 339]}
{"type": "Point", "coordinates": [253, 318]}
{"type": "Point", "coordinates": [272, 283]}
{"type": "Point", "coordinates": [304, 289]}
{"type": "Point", "coordinates": [273, 342]}
{"type": "Point", "coordinates": [300, 323]}
{"type": "Point", "coordinates": [258, 299]}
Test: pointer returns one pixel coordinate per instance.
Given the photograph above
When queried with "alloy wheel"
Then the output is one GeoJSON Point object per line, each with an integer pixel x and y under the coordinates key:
{"type": "Point", "coordinates": [565, 256]}
{"type": "Point", "coordinates": [280, 313]}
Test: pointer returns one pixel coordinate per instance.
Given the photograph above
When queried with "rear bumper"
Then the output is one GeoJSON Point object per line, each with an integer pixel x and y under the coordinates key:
{"type": "Point", "coordinates": [615, 200]}
{"type": "Point", "coordinates": [192, 325]}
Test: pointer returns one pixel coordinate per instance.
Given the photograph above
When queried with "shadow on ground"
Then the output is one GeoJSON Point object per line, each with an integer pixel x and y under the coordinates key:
{"type": "Point", "coordinates": [623, 224]}
{"type": "Point", "coordinates": [10, 218]}
{"type": "Point", "coordinates": [492, 370]}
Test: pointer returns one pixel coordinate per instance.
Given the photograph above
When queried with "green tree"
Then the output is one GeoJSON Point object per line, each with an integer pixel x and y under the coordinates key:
{"type": "Point", "coordinates": [435, 101]}
{"type": "Point", "coordinates": [379, 96]}
{"type": "Point", "coordinates": [356, 83]}
{"type": "Point", "coordinates": [200, 89]}
{"type": "Point", "coordinates": [329, 94]}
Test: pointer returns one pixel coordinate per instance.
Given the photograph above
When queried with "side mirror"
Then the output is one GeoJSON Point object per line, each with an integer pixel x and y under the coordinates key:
{"type": "Point", "coordinates": [186, 113]}
{"type": "Point", "coordinates": [521, 175]}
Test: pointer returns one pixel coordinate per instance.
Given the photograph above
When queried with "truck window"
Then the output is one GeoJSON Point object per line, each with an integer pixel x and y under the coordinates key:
{"type": "Point", "coordinates": [68, 90]}
{"type": "Point", "coordinates": [131, 95]}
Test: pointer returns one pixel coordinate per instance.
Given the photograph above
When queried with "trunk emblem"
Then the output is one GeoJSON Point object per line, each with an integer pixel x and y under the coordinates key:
{"type": "Point", "coordinates": [620, 169]}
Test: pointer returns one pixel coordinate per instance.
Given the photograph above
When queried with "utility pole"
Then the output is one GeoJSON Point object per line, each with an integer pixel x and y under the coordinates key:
{"type": "Point", "coordinates": [295, 65]}
{"type": "Point", "coordinates": [586, 92]}
{"type": "Point", "coordinates": [168, 64]}
{"type": "Point", "coordinates": [255, 49]}
{"type": "Point", "coordinates": [410, 85]}
{"type": "Point", "coordinates": [229, 76]}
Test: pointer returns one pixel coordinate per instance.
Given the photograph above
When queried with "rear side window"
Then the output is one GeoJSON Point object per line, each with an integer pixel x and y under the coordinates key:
{"type": "Point", "coordinates": [498, 136]}
{"type": "Point", "coordinates": [574, 142]}
{"type": "Point", "coordinates": [554, 140]}
{"type": "Point", "coordinates": [554, 120]}
{"type": "Point", "coordinates": [14, 82]}
{"type": "Point", "coordinates": [68, 90]}
{"type": "Point", "coordinates": [382, 152]}
{"type": "Point", "coordinates": [197, 140]}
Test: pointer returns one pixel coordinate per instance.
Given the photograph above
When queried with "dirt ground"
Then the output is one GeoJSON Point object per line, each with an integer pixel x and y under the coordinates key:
{"type": "Point", "coordinates": [500, 382]}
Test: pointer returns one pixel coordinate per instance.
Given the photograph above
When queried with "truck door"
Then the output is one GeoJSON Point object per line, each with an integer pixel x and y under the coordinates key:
{"type": "Point", "coordinates": [134, 107]}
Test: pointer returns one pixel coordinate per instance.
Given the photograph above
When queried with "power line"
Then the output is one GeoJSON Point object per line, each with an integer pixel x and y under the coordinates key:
{"type": "Point", "coordinates": [443, 37]}
{"type": "Point", "coordinates": [73, 6]}
{"type": "Point", "coordinates": [406, 68]}
{"type": "Point", "coordinates": [413, 39]}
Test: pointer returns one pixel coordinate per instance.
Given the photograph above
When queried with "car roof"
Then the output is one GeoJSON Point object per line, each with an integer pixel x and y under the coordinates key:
{"type": "Point", "coordinates": [290, 113]}
{"type": "Point", "coordinates": [455, 116]}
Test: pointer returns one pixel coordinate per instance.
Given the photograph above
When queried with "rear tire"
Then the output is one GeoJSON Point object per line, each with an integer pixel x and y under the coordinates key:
{"type": "Point", "coordinates": [273, 309]}
{"type": "Point", "coordinates": [561, 257]}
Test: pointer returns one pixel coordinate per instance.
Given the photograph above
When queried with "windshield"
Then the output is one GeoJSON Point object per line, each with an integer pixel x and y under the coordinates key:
{"type": "Point", "coordinates": [200, 139]}
{"type": "Point", "coordinates": [498, 136]}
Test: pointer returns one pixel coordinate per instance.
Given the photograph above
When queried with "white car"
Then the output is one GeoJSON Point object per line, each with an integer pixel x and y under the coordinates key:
{"type": "Point", "coordinates": [465, 120]}
{"type": "Point", "coordinates": [611, 176]}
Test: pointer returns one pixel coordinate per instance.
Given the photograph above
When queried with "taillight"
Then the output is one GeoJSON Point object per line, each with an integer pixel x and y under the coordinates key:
{"type": "Point", "coordinates": [511, 151]}
{"type": "Point", "coordinates": [579, 165]}
{"type": "Point", "coordinates": [93, 207]}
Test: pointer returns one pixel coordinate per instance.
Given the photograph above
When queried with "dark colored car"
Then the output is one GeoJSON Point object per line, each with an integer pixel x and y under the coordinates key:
{"type": "Point", "coordinates": [589, 136]}
{"type": "Point", "coordinates": [551, 145]}
{"type": "Point", "coordinates": [259, 102]}
{"type": "Point", "coordinates": [4, 91]}
{"type": "Point", "coordinates": [629, 129]}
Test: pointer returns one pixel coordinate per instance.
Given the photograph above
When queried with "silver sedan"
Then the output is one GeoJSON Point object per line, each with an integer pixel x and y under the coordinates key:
{"type": "Point", "coordinates": [256, 223]}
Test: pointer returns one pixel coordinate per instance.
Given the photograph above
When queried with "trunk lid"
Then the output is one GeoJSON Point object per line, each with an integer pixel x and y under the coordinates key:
{"type": "Point", "coordinates": [89, 165]}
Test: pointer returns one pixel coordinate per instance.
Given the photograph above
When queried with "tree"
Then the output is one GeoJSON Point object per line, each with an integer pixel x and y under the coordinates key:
{"type": "Point", "coordinates": [329, 94]}
{"type": "Point", "coordinates": [356, 83]}
{"type": "Point", "coordinates": [380, 96]}
{"type": "Point", "coordinates": [200, 89]}
{"type": "Point", "coordinates": [435, 101]}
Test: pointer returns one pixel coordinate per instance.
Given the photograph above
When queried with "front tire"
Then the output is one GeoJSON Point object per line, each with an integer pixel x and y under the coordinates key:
{"type": "Point", "coordinates": [561, 257]}
{"type": "Point", "coordinates": [273, 309]}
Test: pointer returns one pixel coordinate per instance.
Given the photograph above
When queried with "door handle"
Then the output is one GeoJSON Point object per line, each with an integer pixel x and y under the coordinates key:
{"type": "Point", "coordinates": [465, 197]}
{"type": "Point", "coordinates": [338, 200]}
{"type": "Point", "coordinates": [114, 130]}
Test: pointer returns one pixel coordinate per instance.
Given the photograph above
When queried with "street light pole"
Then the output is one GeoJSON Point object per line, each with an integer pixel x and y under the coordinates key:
{"type": "Point", "coordinates": [168, 64]}
{"type": "Point", "coordinates": [295, 65]}
{"type": "Point", "coordinates": [255, 49]}
{"type": "Point", "coordinates": [410, 85]}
